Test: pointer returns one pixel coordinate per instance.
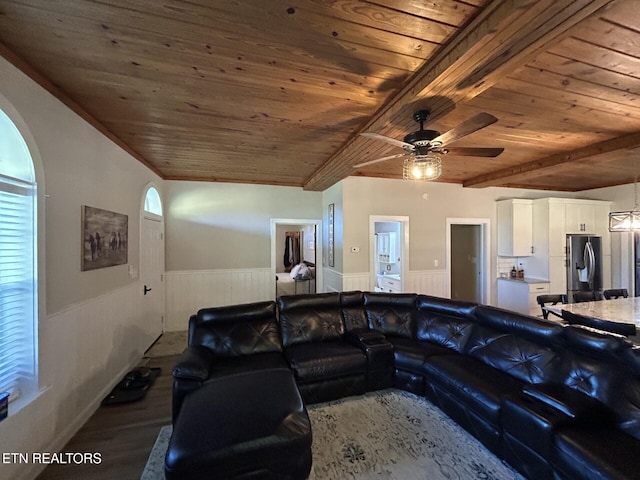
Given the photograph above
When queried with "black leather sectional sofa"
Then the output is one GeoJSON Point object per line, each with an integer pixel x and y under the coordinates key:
{"type": "Point", "coordinates": [555, 401]}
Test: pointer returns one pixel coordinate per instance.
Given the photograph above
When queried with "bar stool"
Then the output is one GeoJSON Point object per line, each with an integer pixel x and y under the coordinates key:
{"type": "Point", "coordinates": [614, 293]}
{"type": "Point", "coordinates": [552, 299]}
{"type": "Point", "coordinates": [590, 296]}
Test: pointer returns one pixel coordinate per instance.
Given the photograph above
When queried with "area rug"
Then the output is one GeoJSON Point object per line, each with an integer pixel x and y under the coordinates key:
{"type": "Point", "coordinates": [388, 434]}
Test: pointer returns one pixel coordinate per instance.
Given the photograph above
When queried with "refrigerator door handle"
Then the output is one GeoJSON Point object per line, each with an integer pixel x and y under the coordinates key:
{"type": "Point", "coordinates": [590, 262]}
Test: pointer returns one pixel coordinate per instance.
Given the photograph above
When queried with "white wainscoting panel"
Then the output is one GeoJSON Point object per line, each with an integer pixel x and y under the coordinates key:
{"type": "Point", "coordinates": [188, 291]}
{"type": "Point", "coordinates": [332, 280]}
{"type": "Point", "coordinates": [356, 281]}
{"type": "Point", "coordinates": [335, 281]}
{"type": "Point", "coordinates": [84, 350]}
{"type": "Point", "coordinates": [427, 282]}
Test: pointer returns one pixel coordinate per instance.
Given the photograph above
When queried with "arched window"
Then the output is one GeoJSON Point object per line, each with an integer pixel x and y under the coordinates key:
{"type": "Point", "coordinates": [18, 265]}
{"type": "Point", "coordinates": [152, 202]}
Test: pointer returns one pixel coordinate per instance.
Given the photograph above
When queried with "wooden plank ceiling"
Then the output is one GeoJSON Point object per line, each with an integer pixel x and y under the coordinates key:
{"type": "Point", "coordinates": [276, 92]}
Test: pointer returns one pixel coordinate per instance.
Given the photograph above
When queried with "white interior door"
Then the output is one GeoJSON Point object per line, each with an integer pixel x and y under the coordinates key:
{"type": "Point", "coordinates": [152, 277]}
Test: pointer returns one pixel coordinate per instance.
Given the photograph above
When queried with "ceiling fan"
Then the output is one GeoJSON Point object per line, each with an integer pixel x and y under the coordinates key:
{"type": "Point", "coordinates": [422, 147]}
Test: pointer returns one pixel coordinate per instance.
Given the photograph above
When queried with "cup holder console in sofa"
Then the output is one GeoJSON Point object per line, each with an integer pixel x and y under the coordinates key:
{"type": "Point", "coordinates": [554, 401]}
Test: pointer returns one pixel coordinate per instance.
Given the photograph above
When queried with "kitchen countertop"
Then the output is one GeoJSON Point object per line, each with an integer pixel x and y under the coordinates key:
{"type": "Point", "coordinates": [621, 310]}
{"type": "Point", "coordinates": [524, 280]}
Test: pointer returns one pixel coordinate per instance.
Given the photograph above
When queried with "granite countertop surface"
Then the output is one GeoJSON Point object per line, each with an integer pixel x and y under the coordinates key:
{"type": "Point", "coordinates": [524, 280]}
{"type": "Point", "coordinates": [622, 310]}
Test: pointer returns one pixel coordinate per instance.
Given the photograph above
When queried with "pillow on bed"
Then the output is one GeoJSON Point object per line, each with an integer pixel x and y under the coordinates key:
{"type": "Point", "coordinates": [294, 271]}
{"type": "Point", "coordinates": [300, 271]}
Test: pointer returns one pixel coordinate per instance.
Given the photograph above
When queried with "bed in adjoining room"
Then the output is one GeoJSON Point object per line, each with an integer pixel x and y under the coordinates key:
{"type": "Point", "coordinates": [295, 259]}
{"type": "Point", "coordinates": [301, 279]}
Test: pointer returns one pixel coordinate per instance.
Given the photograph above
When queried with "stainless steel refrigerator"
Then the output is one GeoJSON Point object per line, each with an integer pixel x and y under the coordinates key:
{"type": "Point", "coordinates": [584, 264]}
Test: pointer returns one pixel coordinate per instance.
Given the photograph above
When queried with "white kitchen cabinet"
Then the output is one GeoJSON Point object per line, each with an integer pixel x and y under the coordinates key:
{"type": "Point", "coordinates": [515, 227]}
{"type": "Point", "coordinates": [557, 274]}
{"type": "Point", "coordinates": [521, 296]}
{"type": "Point", "coordinates": [580, 217]}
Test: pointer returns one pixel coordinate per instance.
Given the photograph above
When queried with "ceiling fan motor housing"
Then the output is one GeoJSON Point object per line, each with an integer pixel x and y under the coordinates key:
{"type": "Point", "coordinates": [422, 138]}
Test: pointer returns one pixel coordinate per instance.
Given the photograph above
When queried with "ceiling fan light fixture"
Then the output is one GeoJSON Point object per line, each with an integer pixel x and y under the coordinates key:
{"type": "Point", "coordinates": [422, 168]}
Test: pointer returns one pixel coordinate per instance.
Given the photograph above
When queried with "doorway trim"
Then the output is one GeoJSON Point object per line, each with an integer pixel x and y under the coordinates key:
{"type": "Point", "coordinates": [319, 248]}
{"type": "Point", "coordinates": [404, 255]}
{"type": "Point", "coordinates": [485, 223]}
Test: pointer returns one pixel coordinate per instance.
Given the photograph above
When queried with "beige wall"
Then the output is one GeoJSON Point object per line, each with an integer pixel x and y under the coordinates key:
{"type": "Point", "coordinates": [227, 225]}
{"type": "Point", "coordinates": [363, 197]}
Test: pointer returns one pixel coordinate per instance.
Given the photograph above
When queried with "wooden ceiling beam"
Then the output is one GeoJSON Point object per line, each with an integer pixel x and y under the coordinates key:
{"type": "Point", "coordinates": [544, 166]}
{"type": "Point", "coordinates": [502, 38]}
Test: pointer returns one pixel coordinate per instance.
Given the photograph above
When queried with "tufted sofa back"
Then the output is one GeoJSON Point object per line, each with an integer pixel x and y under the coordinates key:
{"type": "Point", "coordinates": [236, 330]}
{"type": "Point", "coordinates": [519, 345]}
{"type": "Point", "coordinates": [391, 313]}
{"type": "Point", "coordinates": [443, 321]}
{"type": "Point", "coordinates": [605, 367]}
{"type": "Point", "coordinates": [315, 317]}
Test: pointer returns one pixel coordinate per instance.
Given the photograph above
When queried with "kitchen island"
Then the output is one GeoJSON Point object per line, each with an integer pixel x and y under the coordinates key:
{"type": "Point", "coordinates": [620, 310]}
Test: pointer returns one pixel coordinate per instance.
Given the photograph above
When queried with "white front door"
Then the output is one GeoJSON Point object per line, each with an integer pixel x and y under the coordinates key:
{"type": "Point", "coordinates": [151, 277]}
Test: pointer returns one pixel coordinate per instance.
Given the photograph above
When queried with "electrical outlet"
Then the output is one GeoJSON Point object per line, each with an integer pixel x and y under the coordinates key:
{"type": "Point", "coordinates": [435, 262]}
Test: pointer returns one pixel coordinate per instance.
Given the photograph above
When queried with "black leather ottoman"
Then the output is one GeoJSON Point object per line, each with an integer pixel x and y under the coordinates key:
{"type": "Point", "coordinates": [251, 425]}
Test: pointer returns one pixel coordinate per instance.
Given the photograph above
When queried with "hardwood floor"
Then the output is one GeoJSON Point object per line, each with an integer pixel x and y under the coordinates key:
{"type": "Point", "coordinates": [122, 434]}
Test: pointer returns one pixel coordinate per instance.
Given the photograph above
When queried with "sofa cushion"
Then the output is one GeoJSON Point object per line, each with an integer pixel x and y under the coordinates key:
{"type": "Point", "coordinates": [478, 386]}
{"type": "Point", "coordinates": [514, 355]}
{"type": "Point", "coordinates": [594, 452]}
{"type": "Point", "coordinates": [251, 425]}
{"type": "Point", "coordinates": [221, 367]}
{"type": "Point", "coordinates": [236, 330]}
{"type": "Point", "coordinates": [391, 313]}
{"type": "Point", "coordinates": [321, 361]}
{"type": "Point", "coordinates": [310, 318]}
{"type": "Point", "coordinates": [410, 355]}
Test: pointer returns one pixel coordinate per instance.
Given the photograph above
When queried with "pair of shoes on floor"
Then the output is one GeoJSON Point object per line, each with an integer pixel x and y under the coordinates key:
{"type": "Point", "coordinates": [133, 386]}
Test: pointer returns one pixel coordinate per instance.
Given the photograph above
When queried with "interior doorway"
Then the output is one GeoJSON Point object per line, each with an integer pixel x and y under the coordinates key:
{"type": "Point", "coordinates": [468, 260]}
{"type": "Point", "coordinates": [389, 253]}
{"type": "Point", "coordinates": [466, 255]}
{"type": "Point", "coordinates": [296, 256]}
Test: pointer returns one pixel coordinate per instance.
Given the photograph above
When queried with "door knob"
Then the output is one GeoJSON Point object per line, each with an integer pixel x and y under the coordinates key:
{"type": "Point", "coordinates": [146, 289]}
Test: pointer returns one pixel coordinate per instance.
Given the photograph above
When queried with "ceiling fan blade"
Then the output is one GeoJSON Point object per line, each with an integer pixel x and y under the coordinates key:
{"type": "Point", "coordinates": [467, 127]}
{"type": "Point", "coordinates": [392, 141]}
{"type": "Point", "coordinates": [474, 151]}
{"type": "Point", "coordinates": [377, 160]}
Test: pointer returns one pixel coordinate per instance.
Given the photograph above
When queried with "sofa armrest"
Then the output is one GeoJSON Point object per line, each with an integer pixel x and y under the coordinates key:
{"type": "Point", "coordinates": [194, 364]}
{"type": "Point", "coordinates": [360, 336]}
{"type": "Point", "coordinates": [576, 405]}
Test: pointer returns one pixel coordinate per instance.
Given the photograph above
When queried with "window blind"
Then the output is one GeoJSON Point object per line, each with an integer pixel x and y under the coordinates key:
{"type": "Point", "coordinates": [17, 286]}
